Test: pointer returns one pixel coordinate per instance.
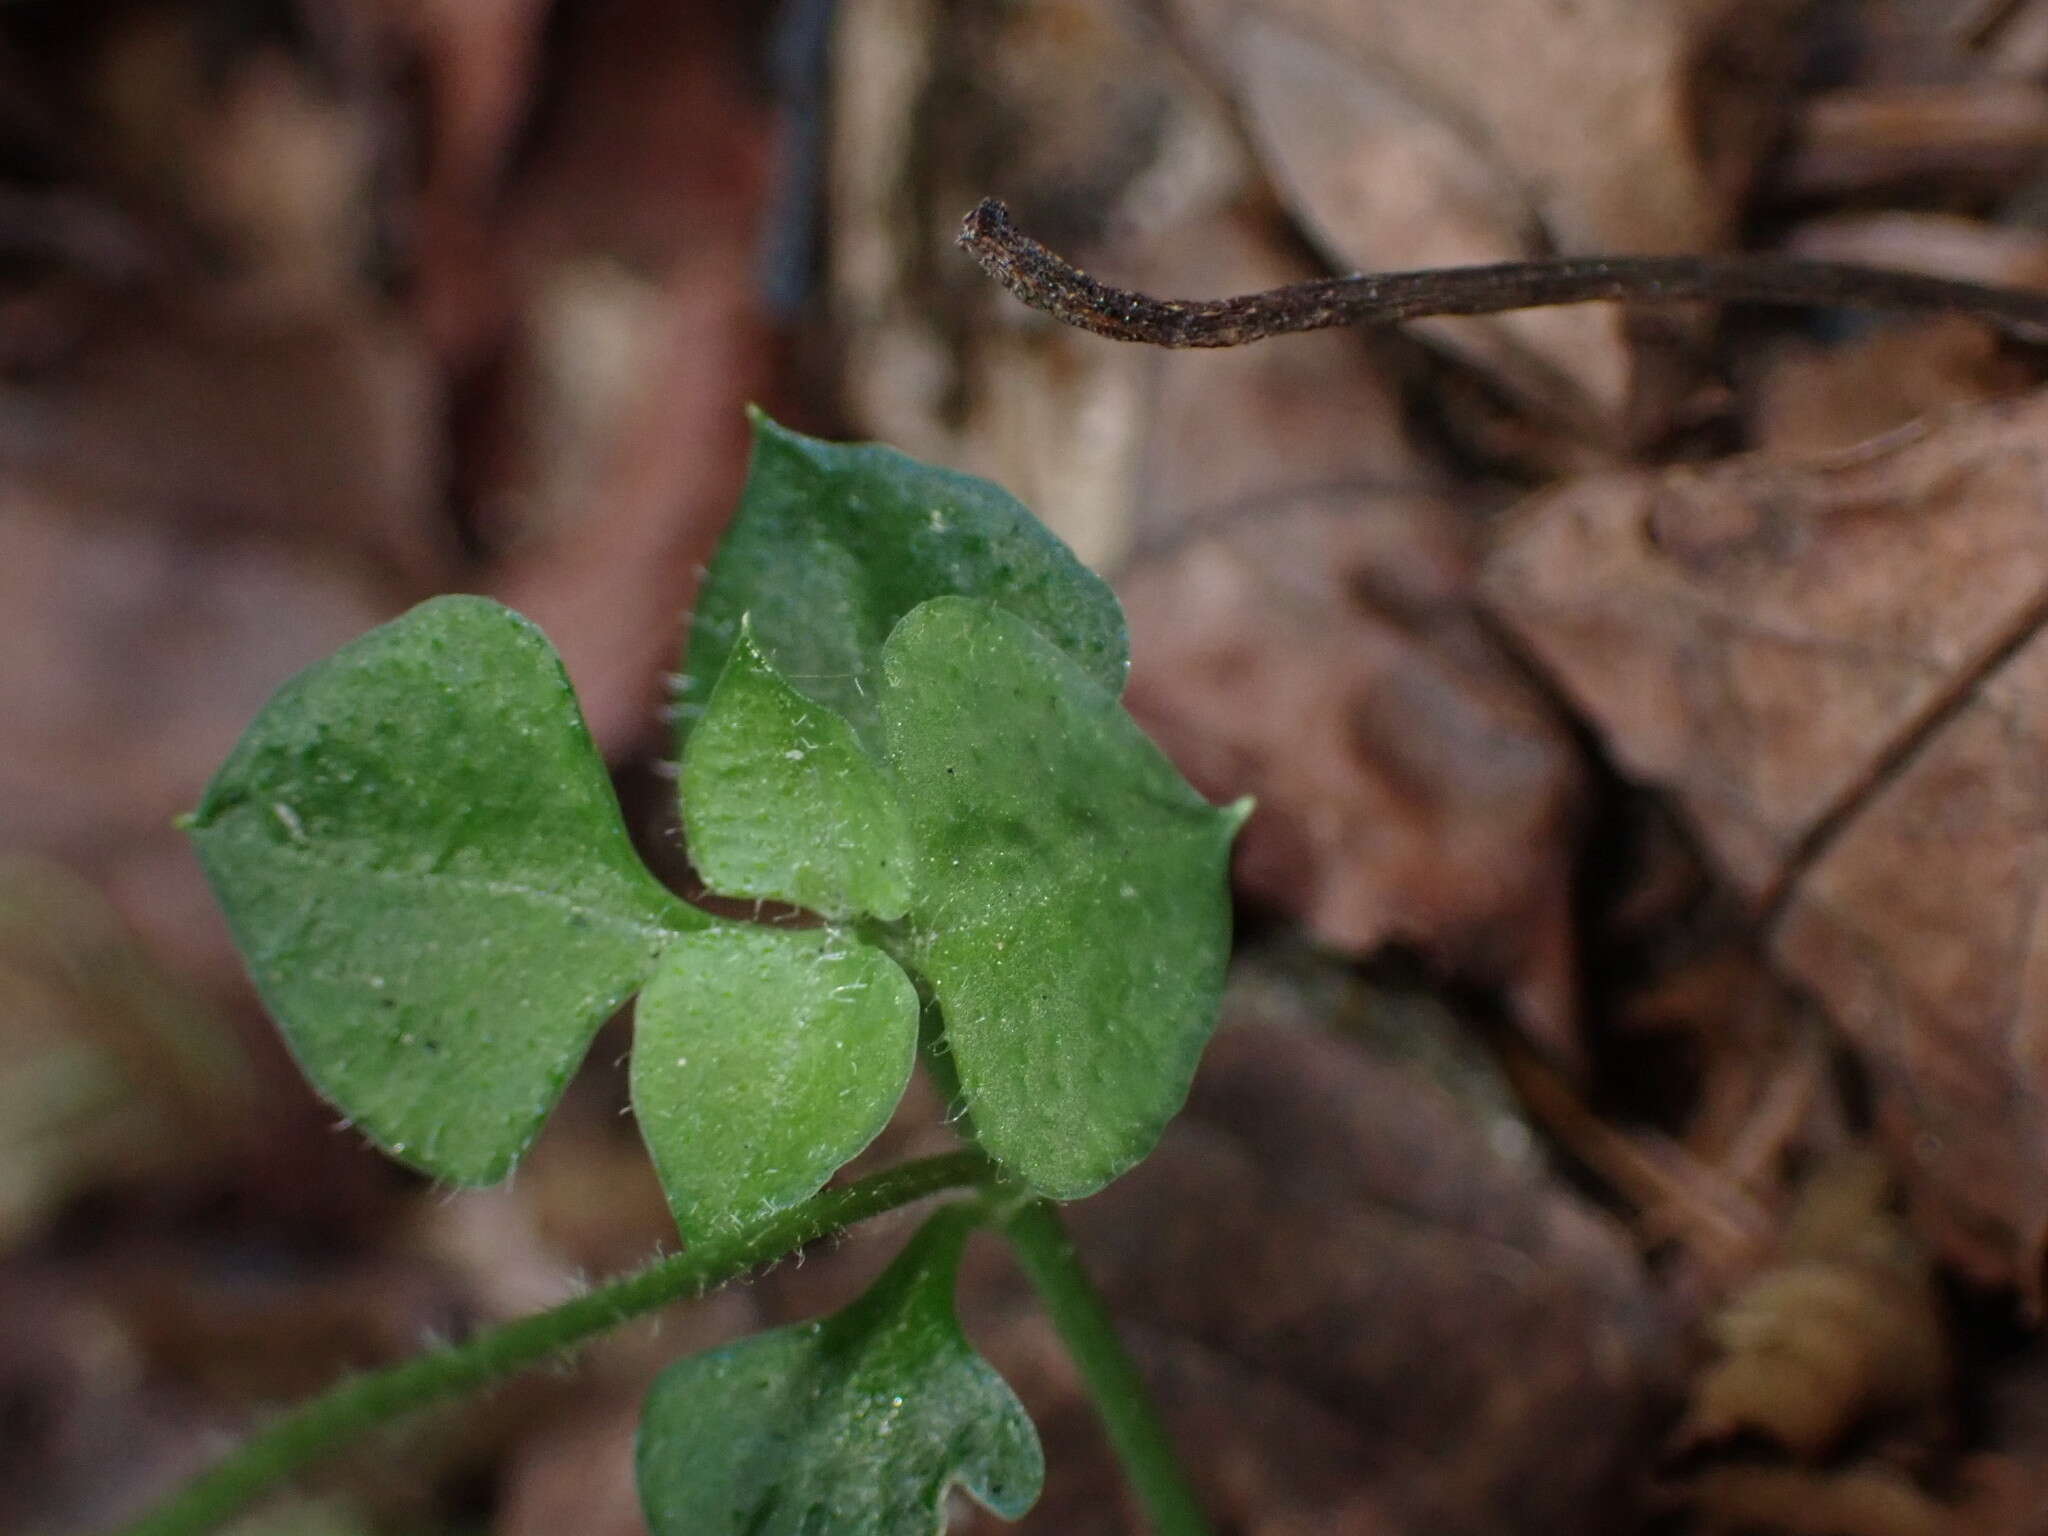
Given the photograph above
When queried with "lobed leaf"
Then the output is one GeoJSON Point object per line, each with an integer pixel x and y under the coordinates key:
{"type": "Point", "coordinates": [780, 802]}
{"type": "Point", "coordinates": [421, 857]}
{"type": "Point", "coordinates": [855, 1425]}
{"type": "Point", "coordinates": [763, 1059]}
{"type": "Point", "coordinates": [833, 543]}
{"type": "Point", "coordinates": [1072, 915]}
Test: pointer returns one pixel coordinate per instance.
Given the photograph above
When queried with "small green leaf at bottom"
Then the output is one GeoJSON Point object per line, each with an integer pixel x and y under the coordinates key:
{"type": "Point", "coordinates": [853, 1426]}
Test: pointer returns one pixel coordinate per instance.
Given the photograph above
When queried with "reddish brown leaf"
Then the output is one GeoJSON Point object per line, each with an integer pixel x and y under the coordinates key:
{"type": "Point", "coordinates": [1758, 636]}
{"type": "Point", "coordinates": [1448, 134]}
{"type": "Point", "coordinates": [1833, 666]}
{"type": "Point", "coordinates": [1412, 788]}
{"type": "Point", "coordinates": [1811, 399]}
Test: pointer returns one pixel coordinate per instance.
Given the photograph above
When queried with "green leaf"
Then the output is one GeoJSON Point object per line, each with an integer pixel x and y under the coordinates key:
{"type": "Point", "coordinates": [781, 803]}
{"type": "Point", "coordinates": [1072, 915]}
{"type": "Point", "coordinates": [763, 1059]}
{"type": "Point", "coordinates": [424, 866]}
{"type": "Point", "coordinates": [834, 543]}
{"type": "Point", "coordinates": [854, 1426]}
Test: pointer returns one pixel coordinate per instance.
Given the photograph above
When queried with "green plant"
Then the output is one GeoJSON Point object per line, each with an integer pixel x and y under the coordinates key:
{"type": "Point", "coordinates": [902, 719]}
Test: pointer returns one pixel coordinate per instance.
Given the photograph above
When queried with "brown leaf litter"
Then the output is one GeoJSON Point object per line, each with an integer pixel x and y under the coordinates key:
{"type": "Point", "coordinates": [1319, 655]}
{"type": "Point", "coordinates": [1405, 136]}
{"type": "Point", "coordinates": [1831, 666]}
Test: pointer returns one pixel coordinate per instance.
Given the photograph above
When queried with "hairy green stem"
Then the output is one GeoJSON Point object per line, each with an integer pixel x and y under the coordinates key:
{"type": "Point", "coordinates": [365, 1403]}
{"type": "Point", "coordinates": [1140, 1440]}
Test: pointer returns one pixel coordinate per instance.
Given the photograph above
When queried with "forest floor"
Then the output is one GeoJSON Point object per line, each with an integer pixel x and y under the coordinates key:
{"type": "Point", "coordinates": [1631, 1108]}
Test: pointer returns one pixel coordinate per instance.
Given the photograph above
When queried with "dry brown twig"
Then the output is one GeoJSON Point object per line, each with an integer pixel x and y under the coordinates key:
{"type": "Point", "coordinates": [1046, 281]}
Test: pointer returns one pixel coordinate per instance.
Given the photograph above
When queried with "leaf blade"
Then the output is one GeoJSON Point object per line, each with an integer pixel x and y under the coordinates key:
{"type": "Point", "coordinates": [880, 534]}
{"type": "Point", "coordinates": [781, 803]}
{"type": "Point", "coordinates": [421, 857]}
{"type": "Point", "coordinates": [1072, 916]}
{"type": "Point", "coordinates": [857, 1424]}
{"type": "Point", "coordinates": [763, 1060]}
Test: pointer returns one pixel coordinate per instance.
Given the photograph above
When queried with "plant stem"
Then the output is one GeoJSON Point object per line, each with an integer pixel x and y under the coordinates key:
{"type": "Point", "coordinates": [1140, 1440]}
{"type": "Point", "coordinates": [364, 1403]}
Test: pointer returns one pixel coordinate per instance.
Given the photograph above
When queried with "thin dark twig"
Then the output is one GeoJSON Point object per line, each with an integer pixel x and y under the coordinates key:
{"type": "Point", "coordinates": [1045, 281]}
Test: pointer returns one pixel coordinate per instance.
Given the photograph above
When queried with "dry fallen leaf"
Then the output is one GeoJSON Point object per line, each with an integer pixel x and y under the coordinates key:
{"type": "Point", "coordinates": [1919, 925]}
{"type": "Point", "coordinates": [1318, 654]}
{"type": "Point", "coordinates": [1408, 136]}
{"type": "Point", "coordinates": [1492, 130]}
{"type": "Point", "coordinates": [1760, 636]}
{"type": "Point", "coordinates": [1812, 399]}
{"type": "Point", "coordinates": [1833, 665]}
{"type": "Point", "coordinates": [1843, 1327]}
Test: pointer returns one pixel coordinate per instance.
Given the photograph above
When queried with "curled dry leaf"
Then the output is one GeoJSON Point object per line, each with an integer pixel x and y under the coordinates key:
{"type": "Point", "coordinates": [1843, 1328]}
{"type": "Point", "coordinates": [1835, 668]}
{"type": "Point", "coordinates": [1411, 786]}
{"type": "Point", "coordinates": [1491, 130]}
{"type": "Point", "coordinates": [1590, 103]}
{"type": "Point", "coordinates": [1323, 1268]}
{"type": "Point", "coordinates": [1385, 179]}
